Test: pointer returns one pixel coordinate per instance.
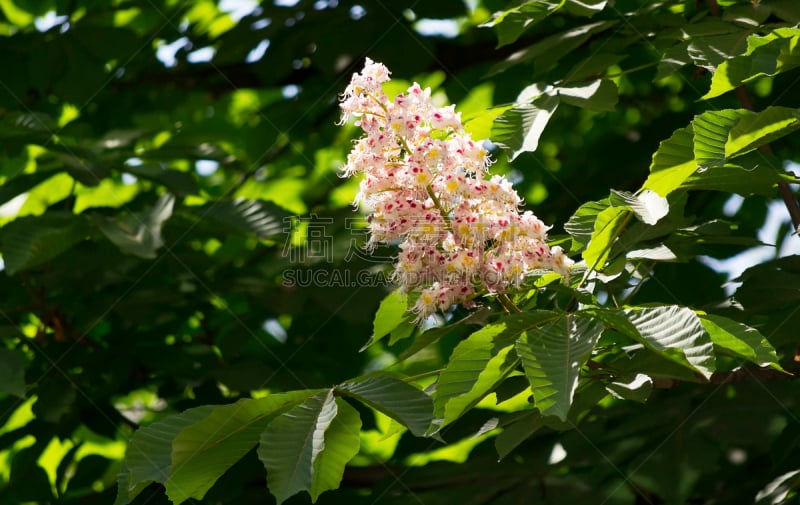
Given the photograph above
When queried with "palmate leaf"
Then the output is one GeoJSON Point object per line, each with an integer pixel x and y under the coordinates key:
{"type": "Point", "coordinates": [203, 451]}
{"type": "Point", "coordinates": [767, 55]}
{"type": "Point", "coordinates": [755, 130]}
{"type": "Point", "coordinates": [149, 455]}
{"type": "Point", "coordinates": [552, 356]}
{"type": "Point", "coordinates": [30, 241]}
{"type": "Point", "coordinates": [292, 442]}
{"type": "Point", "coordinates": [740, 340]}
{"type": "Point", "coordinates": [397, 399]}
{"type": "Point", "coordinates": [480, 363]}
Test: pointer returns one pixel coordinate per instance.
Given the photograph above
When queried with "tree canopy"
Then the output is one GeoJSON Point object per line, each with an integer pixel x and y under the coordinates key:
{"type": "Point", "coordinates": [190, 312]}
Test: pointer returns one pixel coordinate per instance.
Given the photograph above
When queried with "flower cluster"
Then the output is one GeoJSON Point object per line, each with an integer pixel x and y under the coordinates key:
{"type": "Point", "coordinates": [427, 183]}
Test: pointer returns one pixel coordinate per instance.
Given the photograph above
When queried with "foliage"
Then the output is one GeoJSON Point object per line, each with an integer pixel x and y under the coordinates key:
{"type": "Point", "coordinates": [186, 290]}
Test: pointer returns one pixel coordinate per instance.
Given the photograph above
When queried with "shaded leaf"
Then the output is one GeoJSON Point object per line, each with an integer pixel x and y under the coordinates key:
{"type": "Point", "coordinates": [12, 373]}
{"type": "Point", "coordinates": [552, 356]}
{"type": "Point", "coordinates": [149, 453]}
{"type": "Point", "coordinates": [397, 399]}
{"type": "Point", "coordinates": [291, 443]}
{"type": "Point", "coordinates": [30, 241]}
{"type": "Point", "coordinates": [636, 388]}
{"type": "Point", "coordinates": [511, 23]}
{"type": "Point", "coordinates": [203, 451]}
{"type": "Point", "coordinates": [257, 217]}
{"type": "Point", "coordinates": [138, 234]}
{"type": "Point", "coordinates": [516, 433]}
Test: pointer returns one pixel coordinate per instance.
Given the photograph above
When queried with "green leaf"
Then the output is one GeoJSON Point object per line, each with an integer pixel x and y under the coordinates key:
{"type": "Point", "coordinates": [12, 373]}
{"type": "Point", "coordinates": [753, 173]}
{"type": "Point", "coordinates": [397, 399]}
{"type": "Point", "coordinates": [580, 225]}
{"type": "Point", "coordinates": [672, 163]}
{"type": "Point", "coordinates": [548, 51]}
{"type": "Point", "coordinates": [480, 363]}
{"type": "Point", "coordinates": [518, 130]}
{"type": "Point", "coordinates": [587, 8]}
{"type": "Point", "coordinates": [600, 95]}
{"type": "Point", "coordinates": [203, 451]}
{"type": "Point", "coordinates": [22, 183]}
{"type": "Point", "coordinates": [252, 217]}
{"type": "Point", "coordinates": [430, 336]}
{"type": "Point", "coordinates": [768, 55]}
{"type": "Point", "coordinates": [636, 388]}
{"type": "Point", "coordinates": [30, 241]}
{"type": "Point", "coordinates": [712, 50]}
{"type": "Point", "coordinates": [342, 442]}
{"type": "Point", "coordinates": [740, 340]}
{"type": "Point", "coordinates": [755, 130]}
{"type": "Point", "coordinates": [138, 234]}
{"type": "Point", "coordinates": [770, 285]}
{"type": "Point", "coordinates": [648, 206]}
{"type": "Point", "coordinates": [711, 131]}
{"type": "Point", "coordinates": [552, 356]}
{"type": "Point", "coordinates": [778, 489]}
{"type": "Point", "coordinates": [149, 455]}
{"type": "Point", "coordinates": [177, 182]}
{"type": "Point", "coordinates": [606, 228]}
{"type": "Point", "coordinates": [511, 23]}
{"type": "Point", "coordinates": [291, 444]}
{"type": "Point", "coordinates": [516, 433]}
{"type": "Point", "coordinates": [392, 312]}
{"type": "Point", "coordinates": [673, 58]}
{"type": "Point", "coordinates": [675, 332]}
